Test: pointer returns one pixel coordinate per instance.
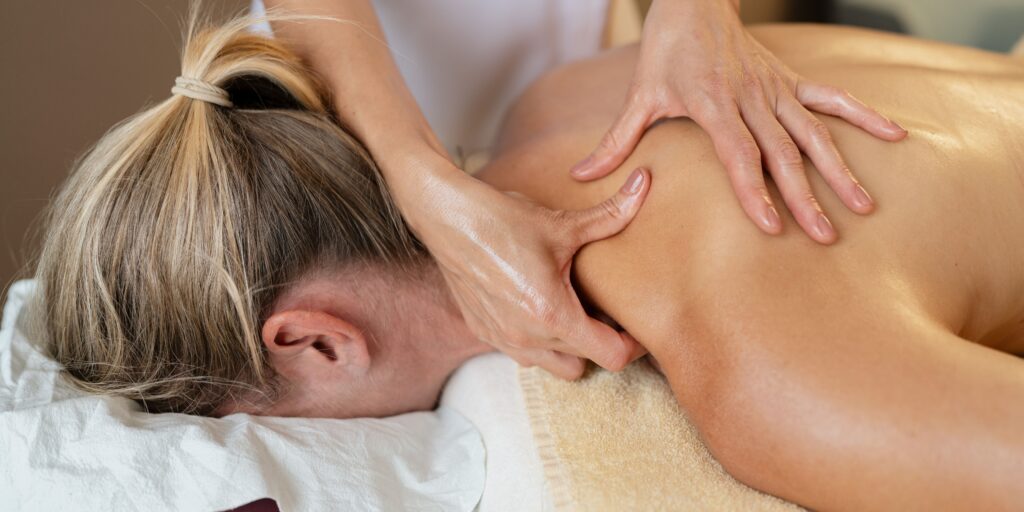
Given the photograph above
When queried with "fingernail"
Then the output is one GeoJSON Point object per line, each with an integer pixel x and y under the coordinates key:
{"type": "Point", "coordinates": [897, 126]}
{"type": "Point", "coordinates": [577, 170]}
{"type": "Point", "coordinates": [633, 184]}
{"type": "Point", "coordinates": [824, 227]}
{"type": "Point", "coordinates": [861, 198]}
{"type": "Point", "coordinates": [771, 219]}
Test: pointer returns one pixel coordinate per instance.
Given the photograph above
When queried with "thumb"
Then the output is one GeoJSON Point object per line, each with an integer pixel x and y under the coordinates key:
{"type": "Point", "coordinates": [616, 212]}
{"type": "Point", "coordinates": [615, 146]}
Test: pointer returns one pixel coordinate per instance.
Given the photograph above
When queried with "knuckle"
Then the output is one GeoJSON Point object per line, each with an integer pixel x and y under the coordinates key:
{"type": "Point", "coordinates": [561, 219]}
{"type": "Point", "coordinates": [788, 153]}
{"type": "Point", "coordinates": [825, 89]}
{"type": "Point", "coordinates": [612, 208]}
{"type": "Point", "coordinates": [747, 150]}
{"type": "Point", "coordinates": [810, 202]}
{"type": "Point", "coordinates": [610, 141]}
{"type": "Point", "coordinates": [716, 84]}
{"type": "Point", "coordinates": [784, 81]}
{"type": "Point", "coordinates": [820, 131]}
{"type": "Point", "coordinates": [750, 81]}
{"type": "Point", "coordinates": [841, 95]}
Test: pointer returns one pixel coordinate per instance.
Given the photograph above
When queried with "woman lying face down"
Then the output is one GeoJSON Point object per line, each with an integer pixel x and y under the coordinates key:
{"type": "Point", "coordinates": [209, 259]}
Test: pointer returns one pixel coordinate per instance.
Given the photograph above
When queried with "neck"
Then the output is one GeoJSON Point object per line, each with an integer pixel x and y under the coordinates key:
{"type": "Point", "coordinates": [444, 321]}
{"type": "Point", "coordinates": [421, 336]}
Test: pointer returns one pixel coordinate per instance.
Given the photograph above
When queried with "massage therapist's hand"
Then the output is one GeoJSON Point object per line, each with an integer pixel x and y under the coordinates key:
{"type": "Point", "coordinates": [505, 259]}
{"type": "Point", "coordinates": [507, 262]}
{"type": "Point", "coordinates": [697, 60]}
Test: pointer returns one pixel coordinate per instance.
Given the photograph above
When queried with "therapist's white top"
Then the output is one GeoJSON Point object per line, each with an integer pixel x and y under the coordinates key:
{"type": "Point", "coordinates": [466, 61]}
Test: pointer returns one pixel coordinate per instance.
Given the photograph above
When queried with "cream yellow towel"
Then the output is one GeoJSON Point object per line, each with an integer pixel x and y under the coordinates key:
{"type": "Point", "coordinates": [619, 442]}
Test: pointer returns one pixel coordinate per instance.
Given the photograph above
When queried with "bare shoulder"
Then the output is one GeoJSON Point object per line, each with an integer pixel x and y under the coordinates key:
{"type": "Point", "coordinates": [590, 88]}
{"type": "Point", "coordinates": [692, 247]}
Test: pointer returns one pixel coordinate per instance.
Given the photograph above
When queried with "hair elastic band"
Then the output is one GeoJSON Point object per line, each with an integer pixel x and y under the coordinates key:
{"type": "Point", "coordinates": [202, 91]}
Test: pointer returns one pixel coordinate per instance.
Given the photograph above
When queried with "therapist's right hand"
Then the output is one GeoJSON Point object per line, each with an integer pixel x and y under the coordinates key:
{"type": "Point", "coordinates": [505, 259]}
{"type": "Point", "coordinates": [507, 263]}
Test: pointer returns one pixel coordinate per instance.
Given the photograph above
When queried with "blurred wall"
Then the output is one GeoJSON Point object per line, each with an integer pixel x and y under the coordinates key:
{"type": "Point", "coordinates": [70, 70]}
{"type": "Point", "coordinates": [990, 24]}
{"type": "Point", "coordinates": [765, 11]}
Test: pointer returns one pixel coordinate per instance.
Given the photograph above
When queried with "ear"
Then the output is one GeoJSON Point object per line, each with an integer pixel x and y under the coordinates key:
{"type": "Point", "coordinates": [313, 341]}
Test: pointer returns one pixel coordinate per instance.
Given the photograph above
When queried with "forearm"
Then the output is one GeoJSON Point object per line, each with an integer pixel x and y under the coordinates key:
{"type": "Point", "coordinates": [369, 93]}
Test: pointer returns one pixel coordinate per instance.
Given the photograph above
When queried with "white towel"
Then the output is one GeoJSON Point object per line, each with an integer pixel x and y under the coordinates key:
{"type": "Point", "coordinates": [486, 390]}
{"type": "Point", "coordinates": [63, 450]}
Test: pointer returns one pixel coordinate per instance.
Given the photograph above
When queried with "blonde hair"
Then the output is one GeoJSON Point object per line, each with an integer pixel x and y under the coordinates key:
{"type": "Point", "coordinates": [179, 228]}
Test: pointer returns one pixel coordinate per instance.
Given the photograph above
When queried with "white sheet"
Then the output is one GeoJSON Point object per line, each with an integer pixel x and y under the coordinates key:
{"type": "Point", "coordinates": [62, 450]}
{"type": "Point", "coordinates": [486, 390]}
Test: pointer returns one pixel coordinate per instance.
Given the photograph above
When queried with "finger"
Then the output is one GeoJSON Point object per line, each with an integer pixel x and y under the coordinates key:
{"type": "Point", "coordinates": [610, 349]}
{"type": "Point", "coordinates": [563, 366]}
{"type": "Point", "coordinates": [787, 169]}
{"type": "Point", "coordinates": [613, 214]}
{"type": "Point", "coordinates": [738, 151]}
{"type": "Point", "coordinates": [638, 350]}
{"type": "Point", "coordinates": [615, 146]}
{"type": "Point", "coordinates": [837, 102]}
{"type": "Point", "coordinates": [813, 137]}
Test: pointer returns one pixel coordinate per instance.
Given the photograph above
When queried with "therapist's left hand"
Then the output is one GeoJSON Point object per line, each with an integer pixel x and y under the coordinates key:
{"type": "Point", "coordinates": [697, 60]}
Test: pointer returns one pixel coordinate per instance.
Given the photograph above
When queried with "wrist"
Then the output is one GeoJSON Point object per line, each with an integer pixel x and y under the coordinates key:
{"type": "Point", "coordinates": [417, 175]}
{"type": "Point", "coordinates": [403, 146]}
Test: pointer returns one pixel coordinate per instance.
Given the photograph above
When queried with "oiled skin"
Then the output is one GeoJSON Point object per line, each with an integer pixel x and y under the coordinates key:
{"type": "Point", "coordinates": [873, 374]}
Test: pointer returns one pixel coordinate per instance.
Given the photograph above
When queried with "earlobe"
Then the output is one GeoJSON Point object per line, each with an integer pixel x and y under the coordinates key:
{"type": "Point", "coordinates": [320, 338]}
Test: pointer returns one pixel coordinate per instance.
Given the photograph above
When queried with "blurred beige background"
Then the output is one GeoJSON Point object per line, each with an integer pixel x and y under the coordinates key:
{"type": "Point", "coordinates": [71, 69]}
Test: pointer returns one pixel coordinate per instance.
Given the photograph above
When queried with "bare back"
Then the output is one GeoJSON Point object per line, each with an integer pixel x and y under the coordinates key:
{"type": "Point", "coordinates": [815, 373]}
{"type": "Point", "coordinates": [950, 224]}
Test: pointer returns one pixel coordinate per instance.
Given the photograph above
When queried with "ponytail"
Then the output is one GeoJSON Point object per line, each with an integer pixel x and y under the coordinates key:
{"type": "Point", "coordinates": [176, 232]}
